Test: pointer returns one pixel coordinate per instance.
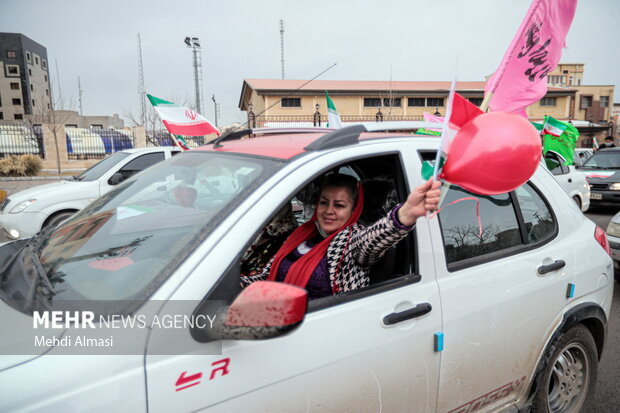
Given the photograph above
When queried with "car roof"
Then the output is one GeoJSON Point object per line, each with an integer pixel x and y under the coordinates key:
{"type": "Point", "coordinates": [286, 146]}
{"type": "Point", "coordinates": [150, 149]}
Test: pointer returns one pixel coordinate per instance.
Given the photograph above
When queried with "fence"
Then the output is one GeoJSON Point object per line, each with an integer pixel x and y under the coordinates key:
{"type": "Point", "coordinates": [19, 139]}
{"type": "Point", "coordinates": [163, 138]}
{"type": "Point", "coordinates": [96, 143]}
{"type": "Point", "coordinates": [320, 120]}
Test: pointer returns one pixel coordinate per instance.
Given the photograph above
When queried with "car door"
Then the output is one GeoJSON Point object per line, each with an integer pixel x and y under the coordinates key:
{"type": "Point", "coordinates": [503, 286]}
{"type": "Point", "coordinates": [344, 357]}
{"type": "Point", "coordinates": [131, 167]}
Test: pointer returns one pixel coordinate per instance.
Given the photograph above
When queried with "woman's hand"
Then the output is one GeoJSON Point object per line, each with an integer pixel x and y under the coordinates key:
{"type": "Point", "coordinates": [422, 199]}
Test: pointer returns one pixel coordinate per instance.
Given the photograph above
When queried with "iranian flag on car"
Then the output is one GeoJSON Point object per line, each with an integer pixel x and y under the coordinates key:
{"type": "Point", "coordinates": [180, 120]}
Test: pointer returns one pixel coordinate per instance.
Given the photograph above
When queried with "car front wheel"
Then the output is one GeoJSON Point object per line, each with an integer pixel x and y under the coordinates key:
{"type": "Point", "coordinates": [569, 379]}
{"type": "Point", "coordinates": [57, 219]}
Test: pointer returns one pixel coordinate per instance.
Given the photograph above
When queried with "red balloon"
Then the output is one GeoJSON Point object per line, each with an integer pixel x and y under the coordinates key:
{"type": "Point", "coordinates": [493, 153]}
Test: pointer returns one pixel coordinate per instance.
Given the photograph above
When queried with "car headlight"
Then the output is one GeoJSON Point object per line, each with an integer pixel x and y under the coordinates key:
{"type": "Point", "coordinates": [21, 206]}
{"type": "Point", "coordinates": [615, 187]}
{"type": "Point", "coordinates": [613, 229]}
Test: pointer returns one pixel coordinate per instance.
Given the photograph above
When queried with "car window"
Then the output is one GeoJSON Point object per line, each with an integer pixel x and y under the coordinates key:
{"type": "Point", "coordinates": [465, 237]}
{"type": "Point", "coordinates": [604, 159]}
{"type": "Point", "coordinates": [383, 186]}
{"type": "Point", "coordinates": [125, 243]}
{"type": "Point", "coordinates": [555, 164]}
{"type": "Point", "coordinates": [97, 170]}
{"type": "Point", "coordinates": [142, 162]}
{"type": "Point", "coordinates": [539, 222]}
{"type": "Point", "coordinates": [502, 224]}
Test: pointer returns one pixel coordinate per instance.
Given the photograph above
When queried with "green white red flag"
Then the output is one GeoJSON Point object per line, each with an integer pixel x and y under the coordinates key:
{"type": "Point", "coordinates": [180, 120]}
{"type": "Point", "coordinates": [333, 118]}
{"type": "Point", "coordinates": [553, 126]}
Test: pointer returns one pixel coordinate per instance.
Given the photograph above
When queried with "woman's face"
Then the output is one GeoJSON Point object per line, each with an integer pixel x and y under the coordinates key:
{"type": "Point", "coordinates": [334, 208]}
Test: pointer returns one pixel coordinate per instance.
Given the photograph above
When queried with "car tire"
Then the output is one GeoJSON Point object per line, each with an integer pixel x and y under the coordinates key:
{"type": "Point", "coordinates": [577, 201]}
{"type": "Point", "coordinates": [570, 372]}
{"type": "Point", "coordinates": [57, 219]}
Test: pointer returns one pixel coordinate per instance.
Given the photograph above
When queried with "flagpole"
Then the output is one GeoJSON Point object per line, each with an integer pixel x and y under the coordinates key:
{"type": "Point", "coordinates": [485, 102]}
{"type": "Point", "coordinates": [176, 142]}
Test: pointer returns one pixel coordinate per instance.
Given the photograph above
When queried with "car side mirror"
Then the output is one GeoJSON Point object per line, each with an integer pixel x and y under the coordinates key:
{"type": "Point", "coordinates": [116, 179]}
{"type": "Point", "coordinates": [264, 309]}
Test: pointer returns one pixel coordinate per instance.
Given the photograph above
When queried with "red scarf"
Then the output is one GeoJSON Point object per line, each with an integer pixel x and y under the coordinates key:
{"type": "Point", "coordinates": [300, 272]}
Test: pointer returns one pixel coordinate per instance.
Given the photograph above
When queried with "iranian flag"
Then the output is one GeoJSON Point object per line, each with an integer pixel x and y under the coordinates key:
{"type": "Point", "coordinates": [180, 120]}
{"type": "Point", "coordinates": [553, 126]}
{"type": "Point", "coordinates": [333, 118]}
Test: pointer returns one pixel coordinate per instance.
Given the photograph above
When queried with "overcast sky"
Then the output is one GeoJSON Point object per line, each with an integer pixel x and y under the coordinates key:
{"type": "Point", "coordinates": [369, 40]}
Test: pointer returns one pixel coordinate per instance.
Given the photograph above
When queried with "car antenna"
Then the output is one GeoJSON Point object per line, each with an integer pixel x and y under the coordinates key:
{"type": "Point", "coordinates": [216, 143]}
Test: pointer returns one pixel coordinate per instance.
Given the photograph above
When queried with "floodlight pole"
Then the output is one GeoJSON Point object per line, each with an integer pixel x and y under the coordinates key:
{"type": "Point", "coordinates": [194, 43]}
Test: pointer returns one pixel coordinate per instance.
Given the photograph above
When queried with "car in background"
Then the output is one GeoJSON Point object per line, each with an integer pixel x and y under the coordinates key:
{"type": "Point", "coordinates": [613, 235]}
{"type": "Point", "coordinates": [603, 173]}
{"type": "Point", "coordinates": [25, 213]}
{"type": "Point", "coordinates": [573, 181]}
{"type": "Point", "coordinates": [502, 279]}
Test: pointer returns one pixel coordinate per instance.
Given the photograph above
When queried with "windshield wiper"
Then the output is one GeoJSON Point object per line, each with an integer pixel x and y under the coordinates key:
{"type": "Point", "coordinates": [25, 284]}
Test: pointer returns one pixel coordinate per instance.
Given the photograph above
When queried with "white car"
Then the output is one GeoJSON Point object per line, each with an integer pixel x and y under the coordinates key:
{"type": "Point", "coordinates": [25, 213]}
{"type": "Point", "coordinates": [573, 181]}
{"type": "Point", "coordinates": [613, 235]}
{"type": "Point", "coordinates": [498, 314]}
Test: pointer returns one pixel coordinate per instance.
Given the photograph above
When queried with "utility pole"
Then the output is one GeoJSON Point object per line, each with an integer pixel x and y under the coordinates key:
{"type": "Point", "coordinates": [141, 88]}
{"type": "Point", "coordinates": [59, 91]}
{"type": "Point", "coordinates": [217, 110]}
{"type": "Point", "coordinates": [194, 44]}
{"type": "Point", "coordinates": [282, 46]}
{"type": "Point", "coordinates": [80, 94]}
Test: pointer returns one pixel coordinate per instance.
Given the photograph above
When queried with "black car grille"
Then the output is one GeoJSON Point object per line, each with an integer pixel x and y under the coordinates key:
{"type": "Point", "coordinates": [4, 204]}
{"type": "Point", "coordinates": [599, 187]}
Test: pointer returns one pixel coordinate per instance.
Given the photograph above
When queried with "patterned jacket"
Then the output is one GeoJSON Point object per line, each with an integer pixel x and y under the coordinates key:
{"type": "Point", "coordinates": [352, 251]}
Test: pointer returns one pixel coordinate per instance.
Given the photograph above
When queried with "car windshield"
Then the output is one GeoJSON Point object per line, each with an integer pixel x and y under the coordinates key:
{"type": "Point", "coordinates": [124, 244]}
{"type": "Point", "coordinates": [97, 170]}
{"type": "Point", "coordinates": [604, 160]}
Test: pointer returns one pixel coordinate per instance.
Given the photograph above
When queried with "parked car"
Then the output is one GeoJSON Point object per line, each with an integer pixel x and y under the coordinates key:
{"type": "Point", "coordinates": [613, 235]}
{"type": "Point", "coordinates": [25, 213]}
{"type": "Point", "coordinates": [602, 173]}
{"type": "Point", "coordinates": [573, 181]}
{"type": "Point", "coordinates": [523, 314]}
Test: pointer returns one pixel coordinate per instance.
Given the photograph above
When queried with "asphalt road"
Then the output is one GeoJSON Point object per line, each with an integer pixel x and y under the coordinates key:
{"type": "Point", "coordinates": [607, 397]}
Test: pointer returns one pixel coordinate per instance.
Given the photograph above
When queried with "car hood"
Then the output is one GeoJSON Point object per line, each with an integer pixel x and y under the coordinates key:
{"type": "Point", "coordinates": [20, 335]}
{"type": "Point", "coordinates": [601, 175]}
{"type": "Point", "coordinates": [56, 192]}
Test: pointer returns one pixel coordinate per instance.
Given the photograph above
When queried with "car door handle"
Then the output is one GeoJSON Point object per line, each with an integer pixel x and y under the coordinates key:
{"type": "Point", "coordinates": [417, 311]}
{"type": "Point", "coordinates": [544, 269]}
{"type": "Point", "coordinates": [570, 180]}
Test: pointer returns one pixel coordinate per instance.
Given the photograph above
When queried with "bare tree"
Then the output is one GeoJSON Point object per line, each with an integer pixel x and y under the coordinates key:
{"type": "Point", "coordinates": [51, 119]}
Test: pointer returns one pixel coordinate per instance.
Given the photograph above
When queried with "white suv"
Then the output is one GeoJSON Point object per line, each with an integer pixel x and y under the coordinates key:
{"type": "Point", "coordinates": [457, 318]}
{"type": "Point", "coordinates": [25, 213]}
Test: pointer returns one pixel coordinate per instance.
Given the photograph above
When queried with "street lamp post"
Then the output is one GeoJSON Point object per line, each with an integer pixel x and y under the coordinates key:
{"type": "Point", "coordinates": [317, 116]}
{"type": "Point", "coordinates": [194, 44]}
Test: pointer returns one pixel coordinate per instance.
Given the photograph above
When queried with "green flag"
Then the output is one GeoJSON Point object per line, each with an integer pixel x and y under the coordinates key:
{"type": "Point", "coordinates": [564, 143]}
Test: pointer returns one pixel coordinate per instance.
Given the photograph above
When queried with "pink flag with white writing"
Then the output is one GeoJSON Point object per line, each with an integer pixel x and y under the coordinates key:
{"type": "Point", "coordinates": [520, 79]}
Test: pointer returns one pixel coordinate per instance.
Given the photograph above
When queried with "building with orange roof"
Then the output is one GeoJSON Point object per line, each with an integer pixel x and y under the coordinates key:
{"type": "Point", "coordinates": [296, 102]}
